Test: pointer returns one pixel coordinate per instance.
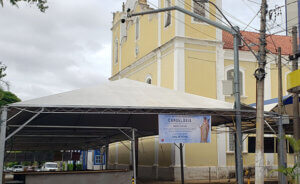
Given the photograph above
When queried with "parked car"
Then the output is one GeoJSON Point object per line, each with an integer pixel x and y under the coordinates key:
{"type": "Point", "coordinates": [17, 168]}
{"type": "Point", "coordinates": [50, 166]}
{"type": "Point", "coordinates": [29, 169]}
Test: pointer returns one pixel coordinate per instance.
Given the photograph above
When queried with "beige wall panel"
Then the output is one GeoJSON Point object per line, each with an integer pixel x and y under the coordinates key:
{"type": "Point", "coordinates": [200, 73]}
{"type": "Point", "coordinates": [274, 81]}
{"type": "Point", "coordinates": [167, 71]}
{"type": "Point", "coordinates": [164, 155]}
{"type": "Point", "coordinates": [146, 151]}
{"type": "Point", "coordinates": [123, 156]}
{"type": "Point", "coordinates": [112, 154]}
{"type": "Point", "coordinates": [141, 73]}
{"type": "Point", "coordinates": [290, 159]}
{"type": "Point", "coordinates": [202, 154]}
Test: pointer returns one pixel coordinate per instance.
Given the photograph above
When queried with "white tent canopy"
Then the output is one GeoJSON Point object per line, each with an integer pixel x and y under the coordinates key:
{"type": "Point", "coordinates": [80, 119]}
{"type": "Point", "coordinates": [126, 93]}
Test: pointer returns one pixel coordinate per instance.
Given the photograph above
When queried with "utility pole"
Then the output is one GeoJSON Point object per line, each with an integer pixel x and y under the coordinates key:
{"type": "Point", "coordinates": [260, 76]}
{"type": "Point", "coordinates": [281, 150]}
{"type": "Point", "coordinates": [296, 126]}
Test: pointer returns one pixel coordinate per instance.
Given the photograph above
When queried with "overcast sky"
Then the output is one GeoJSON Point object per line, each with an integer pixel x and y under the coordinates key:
{"type": "Point", "coordinates": [69, 46]}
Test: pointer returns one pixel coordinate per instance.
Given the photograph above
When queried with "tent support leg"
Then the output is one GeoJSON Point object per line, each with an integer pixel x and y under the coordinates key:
{"type": "Point", "coordinates": [2, 141]}
{"type": "Point", "coordinates": [133, 155]}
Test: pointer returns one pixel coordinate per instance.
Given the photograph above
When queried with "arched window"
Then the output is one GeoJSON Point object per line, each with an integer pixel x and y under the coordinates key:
{"type": "Point", "coordinates": [149, 79]}
{"type": "Point", "coordinates": [201, 8]}
{"type": "Point", "coordinates": [230, 76]}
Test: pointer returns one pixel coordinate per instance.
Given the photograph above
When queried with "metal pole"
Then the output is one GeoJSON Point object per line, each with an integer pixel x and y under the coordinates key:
{"type": "Point", "coordinates": [237, 104]}
{"type": "Point", "coordinates": [181, 162]}
{"type": "Point", "coordinates": [2, 141]}
{"type": "Point", "coordinates": [281, 150]}
{"type": "Point", "coordinates": [260, 75]}
{"type": "Point", "coordinates": [296, 121]}
{"type": "Point", "coordinates": [133, 156]}
{"type": "Point", "coordinates": [23, 125]}
{"type": "Point", "coordinates": [295, 95]}
{"type": "Point", "coordinates": [106, 154]}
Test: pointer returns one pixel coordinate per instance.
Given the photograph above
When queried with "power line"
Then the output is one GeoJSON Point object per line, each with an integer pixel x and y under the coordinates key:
{"type": "Point", "coordinates": [185, 23]}
{"type": "Point", "coordinates": [213, 14]}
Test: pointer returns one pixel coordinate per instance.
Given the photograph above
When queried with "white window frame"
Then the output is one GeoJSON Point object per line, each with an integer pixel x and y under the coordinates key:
{"type": "Point", "coordinates": [116, 51]}
{"type": "Point", "coordinates": [206, 13]}
{"type": "Point", "coordinates": [166, 14]}
{"type": "Point", "coordinates": [98, 159]}
{"type": "Point", "coordinates": [242, 70]}
{"type": "Point", "coordinates": [245, 143]}
{"type": "Point", "coordinates": [137, 28]}
{"type": "Point", "coordinates": [149, 77]}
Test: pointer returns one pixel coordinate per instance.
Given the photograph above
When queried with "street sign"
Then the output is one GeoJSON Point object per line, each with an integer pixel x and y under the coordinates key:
{"type": "Point", "coordinates": [184, 129]}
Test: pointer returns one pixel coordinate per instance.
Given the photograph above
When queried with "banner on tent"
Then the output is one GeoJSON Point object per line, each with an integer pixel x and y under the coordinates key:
{"type": "Point", "coordinates": [184, 129]}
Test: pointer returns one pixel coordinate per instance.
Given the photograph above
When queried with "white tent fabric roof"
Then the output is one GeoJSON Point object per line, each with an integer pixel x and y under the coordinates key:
{"type": "Point", "coordinates": [126, 93]}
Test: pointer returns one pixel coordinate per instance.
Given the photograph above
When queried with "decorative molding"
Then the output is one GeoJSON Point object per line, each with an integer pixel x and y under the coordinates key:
{"type": "Point", "coordinates": [220, 70]}
{"type": "Point", "coordinates": [179, 65]}
{"type": "Point", "coordinates": [158, 68]}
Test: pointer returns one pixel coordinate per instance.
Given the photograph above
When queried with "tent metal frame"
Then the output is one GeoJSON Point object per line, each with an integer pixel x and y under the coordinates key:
{"type": "Point", "coordinates": [4, 138]}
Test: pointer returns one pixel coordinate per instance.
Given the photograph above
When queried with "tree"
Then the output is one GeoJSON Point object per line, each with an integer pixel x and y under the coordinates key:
{"type": "Point", "coordinates": [41, 4]}
{"type": "Point", "coordinates": [6, 97]}
{"type": "Point", "coordinates": [291, 172]}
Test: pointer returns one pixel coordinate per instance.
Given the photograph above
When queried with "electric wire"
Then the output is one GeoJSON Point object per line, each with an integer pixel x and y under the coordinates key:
{"type": "Point", "coordinates": [185, 23]}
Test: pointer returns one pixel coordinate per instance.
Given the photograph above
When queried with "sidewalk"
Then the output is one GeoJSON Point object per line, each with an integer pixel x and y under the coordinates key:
{"type": "Point", "coordinates": [269, 181]}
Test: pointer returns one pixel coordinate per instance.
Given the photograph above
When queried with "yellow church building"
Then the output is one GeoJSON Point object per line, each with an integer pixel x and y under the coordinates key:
{"type": "Point", "coordinates": [176, 51]}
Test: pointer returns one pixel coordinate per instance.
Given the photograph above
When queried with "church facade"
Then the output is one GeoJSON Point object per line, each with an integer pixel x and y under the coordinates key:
{"type": "Point", "coordinates": [176, 51]}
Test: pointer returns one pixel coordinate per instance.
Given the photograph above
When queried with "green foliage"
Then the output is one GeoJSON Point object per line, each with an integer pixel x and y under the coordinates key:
{"type": "Point", "coordinates": [26, 163]}
{"type": "Point", "coordinates": [41, 4]}
{"type": "Point", "coordinates": [11, 164]}
{"type": "Point", "coordinates": [290, 172]}
{"type": "Point", "coordinates": [63, 166]}
{"type": "Point", "coordinates": [7, 97]}
{"type": "Point", "coordinates": [70, 167]}
{"type": "Point", "coordinates": [79, 167]}
{"type": "Point", "coordinates": [2, 69]}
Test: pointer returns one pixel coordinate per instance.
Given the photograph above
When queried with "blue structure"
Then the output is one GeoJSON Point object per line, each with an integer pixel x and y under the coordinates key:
{"type": "Point", "coordinates": [99, 158]}
{"type": "Point", "coordinates": [287, 100]}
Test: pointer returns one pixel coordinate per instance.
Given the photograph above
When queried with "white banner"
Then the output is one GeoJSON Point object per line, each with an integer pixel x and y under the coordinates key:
{"type": "Point", "coordinates": [184, 129]}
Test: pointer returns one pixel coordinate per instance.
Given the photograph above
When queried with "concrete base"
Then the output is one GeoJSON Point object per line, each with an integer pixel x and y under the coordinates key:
{"type": "Point", "coordinates": [192, 173]}
{"type": "Point", "coordinates": [80, 178]}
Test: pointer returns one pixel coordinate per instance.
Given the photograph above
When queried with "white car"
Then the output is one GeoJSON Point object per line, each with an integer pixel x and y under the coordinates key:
{"type": "Point", "coordinates": [50, 166]}
{"type": "Point", "coordinates": [17, 168]}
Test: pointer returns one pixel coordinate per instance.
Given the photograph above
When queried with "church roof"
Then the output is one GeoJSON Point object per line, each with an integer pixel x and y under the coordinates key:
{"type": "Point", "coordinates": [252, 38]}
